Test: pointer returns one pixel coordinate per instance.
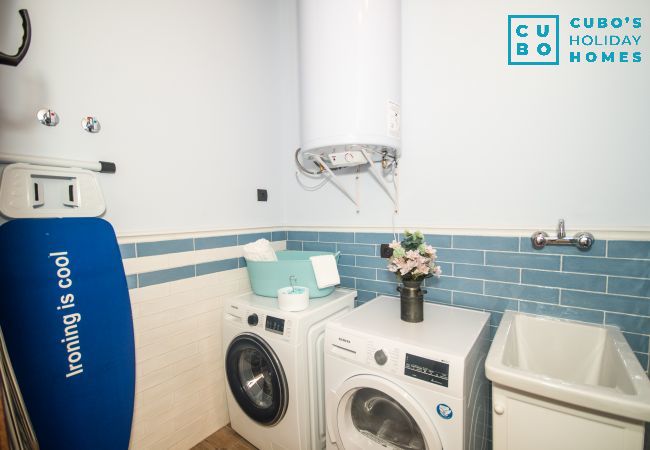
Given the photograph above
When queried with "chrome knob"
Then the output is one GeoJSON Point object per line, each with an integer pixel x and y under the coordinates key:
{"type": "Point", "coordinates": [90, 124]}
{"type": "Point", "coordinates": [539, 239]}
{"type": "Point", "coordinates": [380, 357]}
{"type": "Point", "coordinates": [584, 241]}
{"type": "Point", "coordinates": [47, 117]}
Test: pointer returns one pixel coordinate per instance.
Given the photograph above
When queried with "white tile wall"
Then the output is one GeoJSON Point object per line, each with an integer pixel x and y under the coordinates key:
{"type": "Point", "coordinates": [180, 379]}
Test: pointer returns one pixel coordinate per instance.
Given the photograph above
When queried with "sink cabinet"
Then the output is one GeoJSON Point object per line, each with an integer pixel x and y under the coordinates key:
{"type": "Point", "coordinates": [527, 422]}
{"type": "Point", "coordinates": [564, 385]}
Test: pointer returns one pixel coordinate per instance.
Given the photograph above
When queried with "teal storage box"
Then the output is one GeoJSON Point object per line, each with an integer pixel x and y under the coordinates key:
{"type": "Point", "coordinates": [268, 276]}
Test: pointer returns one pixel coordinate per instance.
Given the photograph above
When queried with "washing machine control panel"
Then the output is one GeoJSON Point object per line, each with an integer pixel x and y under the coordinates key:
{"type": "Point", "coordinates": [259, 321]}
{"type": "Point", "coordinates": [274, 324]}
{"type": "Point", "coordinates": [380, 357]}
{"type": "Point", "coordinates": [429, 370]}
{"type": "Point", "coordinates": [379, 354]}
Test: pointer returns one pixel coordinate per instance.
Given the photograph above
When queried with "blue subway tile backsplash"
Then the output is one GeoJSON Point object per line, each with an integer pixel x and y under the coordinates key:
{"type": "Point", "coordinates": [279, 236]}
{"type": "Point", "coordinates": [522, 292]}
{"type": "Point", "coordinates": [633, 324]}
{"type": "Point", "coordinates": [629, 286]}
{"type": "Point", "coordinates": [456, 284]}
{"type": "Point", "coordinates": [638, 342]}
{"type": "Point", "coordinates": [132, 281]}
{"type": "Point", "coordinates": [243, 239]}
{"type": "Point", "coordinates": [608, 284]}
{"type": "Point", "coordinates": [461, 256]}
{"type": "Point", "coordinates": [564, 280]}
{"type": "Point", "coordinates": [438, 295]}
{"type": "Point", "coordinates": [607, 266]}
{"type": "Point", "coordinates": [374, 238]}
{"type": "Point", "coordinates": [486, 243]}
{"type": "Point", "coordinates": [319, 247]}
{"type": "Point", "coordinates": [486, 272]}
{"type": "Point", "coordinates": [629, 249]}
{"type": "Point", "coordinates": [302, 236]}
{"type": "Point", "coordinates": [607, 302]}
{"type": "Point", "coordinates": [370, 261]}
{"type": "Point", "coordinates": [523, 260]}
{"type": "Point", "coordinates": [359, 272]}
{"type": "Point", "coordinates": [486, 302]}
{"type": "Point", "coordinates": [327, 236]}
{"type": "Point", "coordinates": [165, 275]}
{"type": "Point", "coordinates": [348, 282]}
{"type": "Point", "coordinates": [216, 266]}
{"type": "Point", "coordinates": [357, 249]}
{"type": "Point", "coordinates": [164, 247]}
{"type": "Point", "coordinates": [294, 245]}
{"type": "Point", "coordinates": [438, 240]}
{"type": "Point", "coordinates": [215, 242]}
{"type": "Point", "coordinates": [127, 251]}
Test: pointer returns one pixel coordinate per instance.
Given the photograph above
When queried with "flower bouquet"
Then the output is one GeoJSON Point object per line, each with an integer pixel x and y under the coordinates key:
{"type": "Point", "coordinates": [412, 261]}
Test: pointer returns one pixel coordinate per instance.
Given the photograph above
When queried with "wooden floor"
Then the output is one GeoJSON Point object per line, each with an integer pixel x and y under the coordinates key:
{"type": "Point", "coordinates": [225, 438]}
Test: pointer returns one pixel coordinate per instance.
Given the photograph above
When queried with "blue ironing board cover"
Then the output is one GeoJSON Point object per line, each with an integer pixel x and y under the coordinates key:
{"type": "Point", "coordinates": [66, 318]}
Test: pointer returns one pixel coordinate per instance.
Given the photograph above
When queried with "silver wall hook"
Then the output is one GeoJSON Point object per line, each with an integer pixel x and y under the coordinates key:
{"type": "Point", "coordinates": [90, 124]}
{"type": "Point", "coordinates": [47, 117]}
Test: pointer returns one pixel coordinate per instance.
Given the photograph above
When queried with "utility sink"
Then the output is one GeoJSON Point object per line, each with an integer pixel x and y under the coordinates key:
{"type": "Point", "coordinates": [591, 366]}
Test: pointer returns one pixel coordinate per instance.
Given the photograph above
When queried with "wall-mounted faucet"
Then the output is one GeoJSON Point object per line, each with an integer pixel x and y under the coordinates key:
{"type": "Point", "coordinates": [582, 240]}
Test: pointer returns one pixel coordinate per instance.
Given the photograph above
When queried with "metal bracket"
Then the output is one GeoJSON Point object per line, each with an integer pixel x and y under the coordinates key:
{"type": "Point", "coordinates": [324, 168]}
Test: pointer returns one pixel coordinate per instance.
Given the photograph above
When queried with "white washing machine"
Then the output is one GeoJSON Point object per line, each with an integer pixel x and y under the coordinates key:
{"type": "Point", "coordinates": [274, 369]}
{"type": "Point", "coordinates": [398, 385]}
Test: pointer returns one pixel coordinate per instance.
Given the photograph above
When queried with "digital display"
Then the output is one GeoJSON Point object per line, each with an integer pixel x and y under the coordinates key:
{"type": "Point", "coordinates": [275, 324]}
{"type": "Point", "coordinates": [428, 370]}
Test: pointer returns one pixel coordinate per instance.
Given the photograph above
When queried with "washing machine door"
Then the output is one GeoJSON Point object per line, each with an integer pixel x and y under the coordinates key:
{"type": "Point", "coordinates": [256, 379]}
{"type": "Point", "coordinates": [371, 412]}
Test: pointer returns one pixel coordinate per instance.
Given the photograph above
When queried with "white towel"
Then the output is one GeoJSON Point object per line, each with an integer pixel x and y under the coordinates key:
{"type": "Point", "coordinates": [325, 270]}
{"type": "Point", "coordinates": [259, 250]}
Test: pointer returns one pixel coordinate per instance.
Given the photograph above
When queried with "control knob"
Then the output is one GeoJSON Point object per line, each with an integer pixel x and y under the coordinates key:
{"type": "Point", "coordinates": [380, 357]}
{"type": "Point", "coordinates": [252, 320]}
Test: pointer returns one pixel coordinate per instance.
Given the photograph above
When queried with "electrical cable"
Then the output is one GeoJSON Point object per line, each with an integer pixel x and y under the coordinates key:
{"type": "Point", "coordinates": [311, 188]}
{"type": "Point", "coordinates": [302, 168]}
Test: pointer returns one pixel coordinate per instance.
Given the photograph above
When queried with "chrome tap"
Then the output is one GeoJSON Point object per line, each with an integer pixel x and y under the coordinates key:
{"type": "Point", "coordinates": [582, 240]}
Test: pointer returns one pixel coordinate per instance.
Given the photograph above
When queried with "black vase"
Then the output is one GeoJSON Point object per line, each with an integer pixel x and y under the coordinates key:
{"type": "Point", "coordinates": [412, 300]}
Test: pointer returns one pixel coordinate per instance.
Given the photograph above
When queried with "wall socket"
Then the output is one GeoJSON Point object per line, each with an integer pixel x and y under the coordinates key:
{"type": "Point", "coordinates": [262, 195]}
{"type": "Point", "coordinates": [385, 251]}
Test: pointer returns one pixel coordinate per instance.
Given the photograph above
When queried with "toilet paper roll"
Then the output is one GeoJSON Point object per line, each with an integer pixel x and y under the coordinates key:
{"type": "Point", "coordinates": [293, 298]}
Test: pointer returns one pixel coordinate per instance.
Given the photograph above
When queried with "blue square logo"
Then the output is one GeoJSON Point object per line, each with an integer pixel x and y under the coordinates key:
{"type": "Point", "coordinates": [534, 40]}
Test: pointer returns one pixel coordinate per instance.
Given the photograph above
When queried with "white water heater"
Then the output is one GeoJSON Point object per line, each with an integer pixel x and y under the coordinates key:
{"type": "Point", "coordinates": [350, 78]}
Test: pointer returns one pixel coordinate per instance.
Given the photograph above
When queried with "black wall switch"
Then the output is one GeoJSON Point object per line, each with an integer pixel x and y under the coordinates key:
{"type": "Point", "coordinates": [386, 251]}
{"type": "Point", "coordinates": [262, 195]}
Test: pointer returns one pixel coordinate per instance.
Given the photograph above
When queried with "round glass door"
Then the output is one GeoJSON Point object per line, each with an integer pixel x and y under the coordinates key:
{"type": "Point", "coordinates": [380, 418]}
{"type": "Point", "coordinates": [374, 413]}
{"type": "Point", "coordinates": [256, 379]}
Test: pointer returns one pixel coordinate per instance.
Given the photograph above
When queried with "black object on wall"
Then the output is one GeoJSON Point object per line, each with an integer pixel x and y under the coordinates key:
{"type": "Point", "coordinates": [14, 60]}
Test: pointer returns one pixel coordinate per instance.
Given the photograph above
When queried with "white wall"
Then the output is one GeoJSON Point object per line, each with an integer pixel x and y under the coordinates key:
{"type": "Point", "coordinates": [186, 93]}
{"type": "Point", "coordinates": [492, 146]}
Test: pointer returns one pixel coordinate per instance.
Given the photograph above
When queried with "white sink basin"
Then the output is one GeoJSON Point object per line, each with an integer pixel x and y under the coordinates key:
{"type": "Point", "coordinates": [590, 366]}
